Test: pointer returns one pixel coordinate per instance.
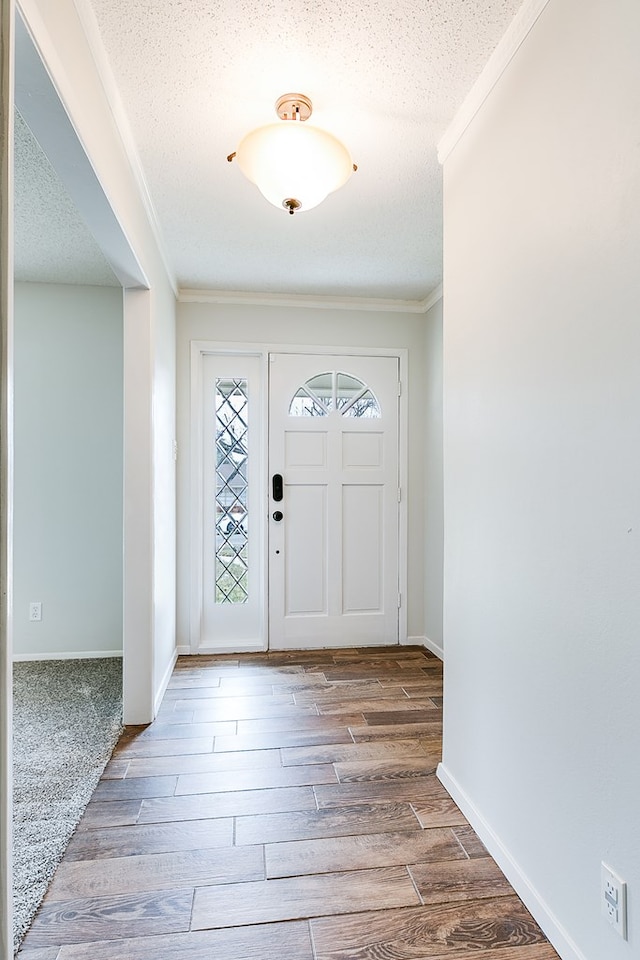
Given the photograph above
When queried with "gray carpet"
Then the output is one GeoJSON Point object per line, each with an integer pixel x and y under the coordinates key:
{"type": "Point", "coordinates": [67, 719]}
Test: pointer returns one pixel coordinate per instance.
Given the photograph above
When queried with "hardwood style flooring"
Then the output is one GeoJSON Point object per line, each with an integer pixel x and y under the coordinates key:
{"type": "Point", "coordinates": [283, 806]}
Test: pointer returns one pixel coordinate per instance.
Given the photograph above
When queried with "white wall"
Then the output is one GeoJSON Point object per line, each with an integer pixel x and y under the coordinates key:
{"type": "Point", "coordinates": [306, 325]}
{"type": "Point", "coordinates": [433, 477]}
{"type": "Point", "coordinates": [68, 39]}
{"type": "Point", "coordinates": [68, 469]}
{"type": "Point", "coordinates": [542, 469]}
{"type": "Point", "coordinates": [72, 65]}
{"type": "Point", "coordinates": [164, 486]}
{"type": "Point", "coordinates": [6, 470]}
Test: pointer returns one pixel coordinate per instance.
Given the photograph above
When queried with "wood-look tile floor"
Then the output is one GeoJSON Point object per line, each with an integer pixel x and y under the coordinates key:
{"type": "Point", "coordinates": [284, 806]}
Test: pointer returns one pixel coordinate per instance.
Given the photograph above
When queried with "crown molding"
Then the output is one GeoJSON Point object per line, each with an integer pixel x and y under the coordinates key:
{"type": "Point", "coordinates": [91, 30]}
{"type": "Point", "coordinates": [496, 65]}
{"type": "Point", "coordinates": [433, 298]}
{"type": "Point", "coordinates": [186, 295]}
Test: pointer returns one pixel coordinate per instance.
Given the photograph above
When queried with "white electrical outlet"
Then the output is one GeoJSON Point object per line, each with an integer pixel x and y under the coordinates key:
{"type": "Point", "coordinates": [35, 610]}
{"type": "Point", "coordinates": [614, 900]}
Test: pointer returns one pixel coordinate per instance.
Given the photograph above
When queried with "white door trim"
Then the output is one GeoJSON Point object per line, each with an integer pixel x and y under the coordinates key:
{"type": "Point", "coordinates": [200, 348]}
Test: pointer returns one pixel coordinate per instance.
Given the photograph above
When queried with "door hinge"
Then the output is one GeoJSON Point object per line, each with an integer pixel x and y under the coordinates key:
{"type": "Point", "coordinates": [399, 600]}
{"type": "Point", "coordinates": [399, 495]}
{"type": "Point", "coordinates": [399, 388]}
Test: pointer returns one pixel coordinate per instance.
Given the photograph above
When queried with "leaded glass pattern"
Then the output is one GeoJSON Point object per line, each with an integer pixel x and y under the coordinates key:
{"type": "Point", "coordinates": [326, 392]}
{"type": "Point", "coordinates": [231, 493]}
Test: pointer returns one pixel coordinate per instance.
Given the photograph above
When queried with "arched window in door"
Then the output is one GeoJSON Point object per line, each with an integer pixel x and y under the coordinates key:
{"type": "Point", "coordinates": [334, 391]}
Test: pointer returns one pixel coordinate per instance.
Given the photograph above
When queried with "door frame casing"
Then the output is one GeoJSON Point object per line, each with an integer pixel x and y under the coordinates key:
{"type": "Point", "coordinates": [202, 348]}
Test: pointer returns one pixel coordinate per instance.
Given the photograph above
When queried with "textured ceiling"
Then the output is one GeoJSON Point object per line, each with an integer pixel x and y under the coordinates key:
{"type": "Point", "coordinates": [385, 77]}
{"type": "Point", "coordinates": [51, 242]}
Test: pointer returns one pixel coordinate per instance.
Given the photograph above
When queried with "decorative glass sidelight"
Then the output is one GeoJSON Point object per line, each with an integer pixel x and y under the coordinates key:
{"type": "Point", "coordinates": [330, 391]}
{"type": "Point", "coordinates": [231, 494]}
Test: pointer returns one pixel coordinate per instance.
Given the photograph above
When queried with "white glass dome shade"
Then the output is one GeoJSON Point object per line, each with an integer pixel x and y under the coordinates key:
{"type": "Point", "coordinates": [293, 164]}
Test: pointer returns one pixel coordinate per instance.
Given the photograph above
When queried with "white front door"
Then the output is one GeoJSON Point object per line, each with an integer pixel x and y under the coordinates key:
{"type": "Point", "coordinates": [333, 526]}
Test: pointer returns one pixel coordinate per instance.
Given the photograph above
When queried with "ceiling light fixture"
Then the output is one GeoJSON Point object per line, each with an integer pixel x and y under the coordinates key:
{"type": "Point", "coordinates": [293, 165]}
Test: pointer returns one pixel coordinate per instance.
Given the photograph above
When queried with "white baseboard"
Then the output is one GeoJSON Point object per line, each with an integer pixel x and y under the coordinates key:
{"type": "Point", "coordinates": [184, 650]}
{"type": "Point", "coordinates": [82, 655]}
{"type": "Point", "coordinates": [425, 642]}
{"type": "Point", "coordinates": [516, 876]}
{"type": "Point", "coordinates": [164, 682]}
